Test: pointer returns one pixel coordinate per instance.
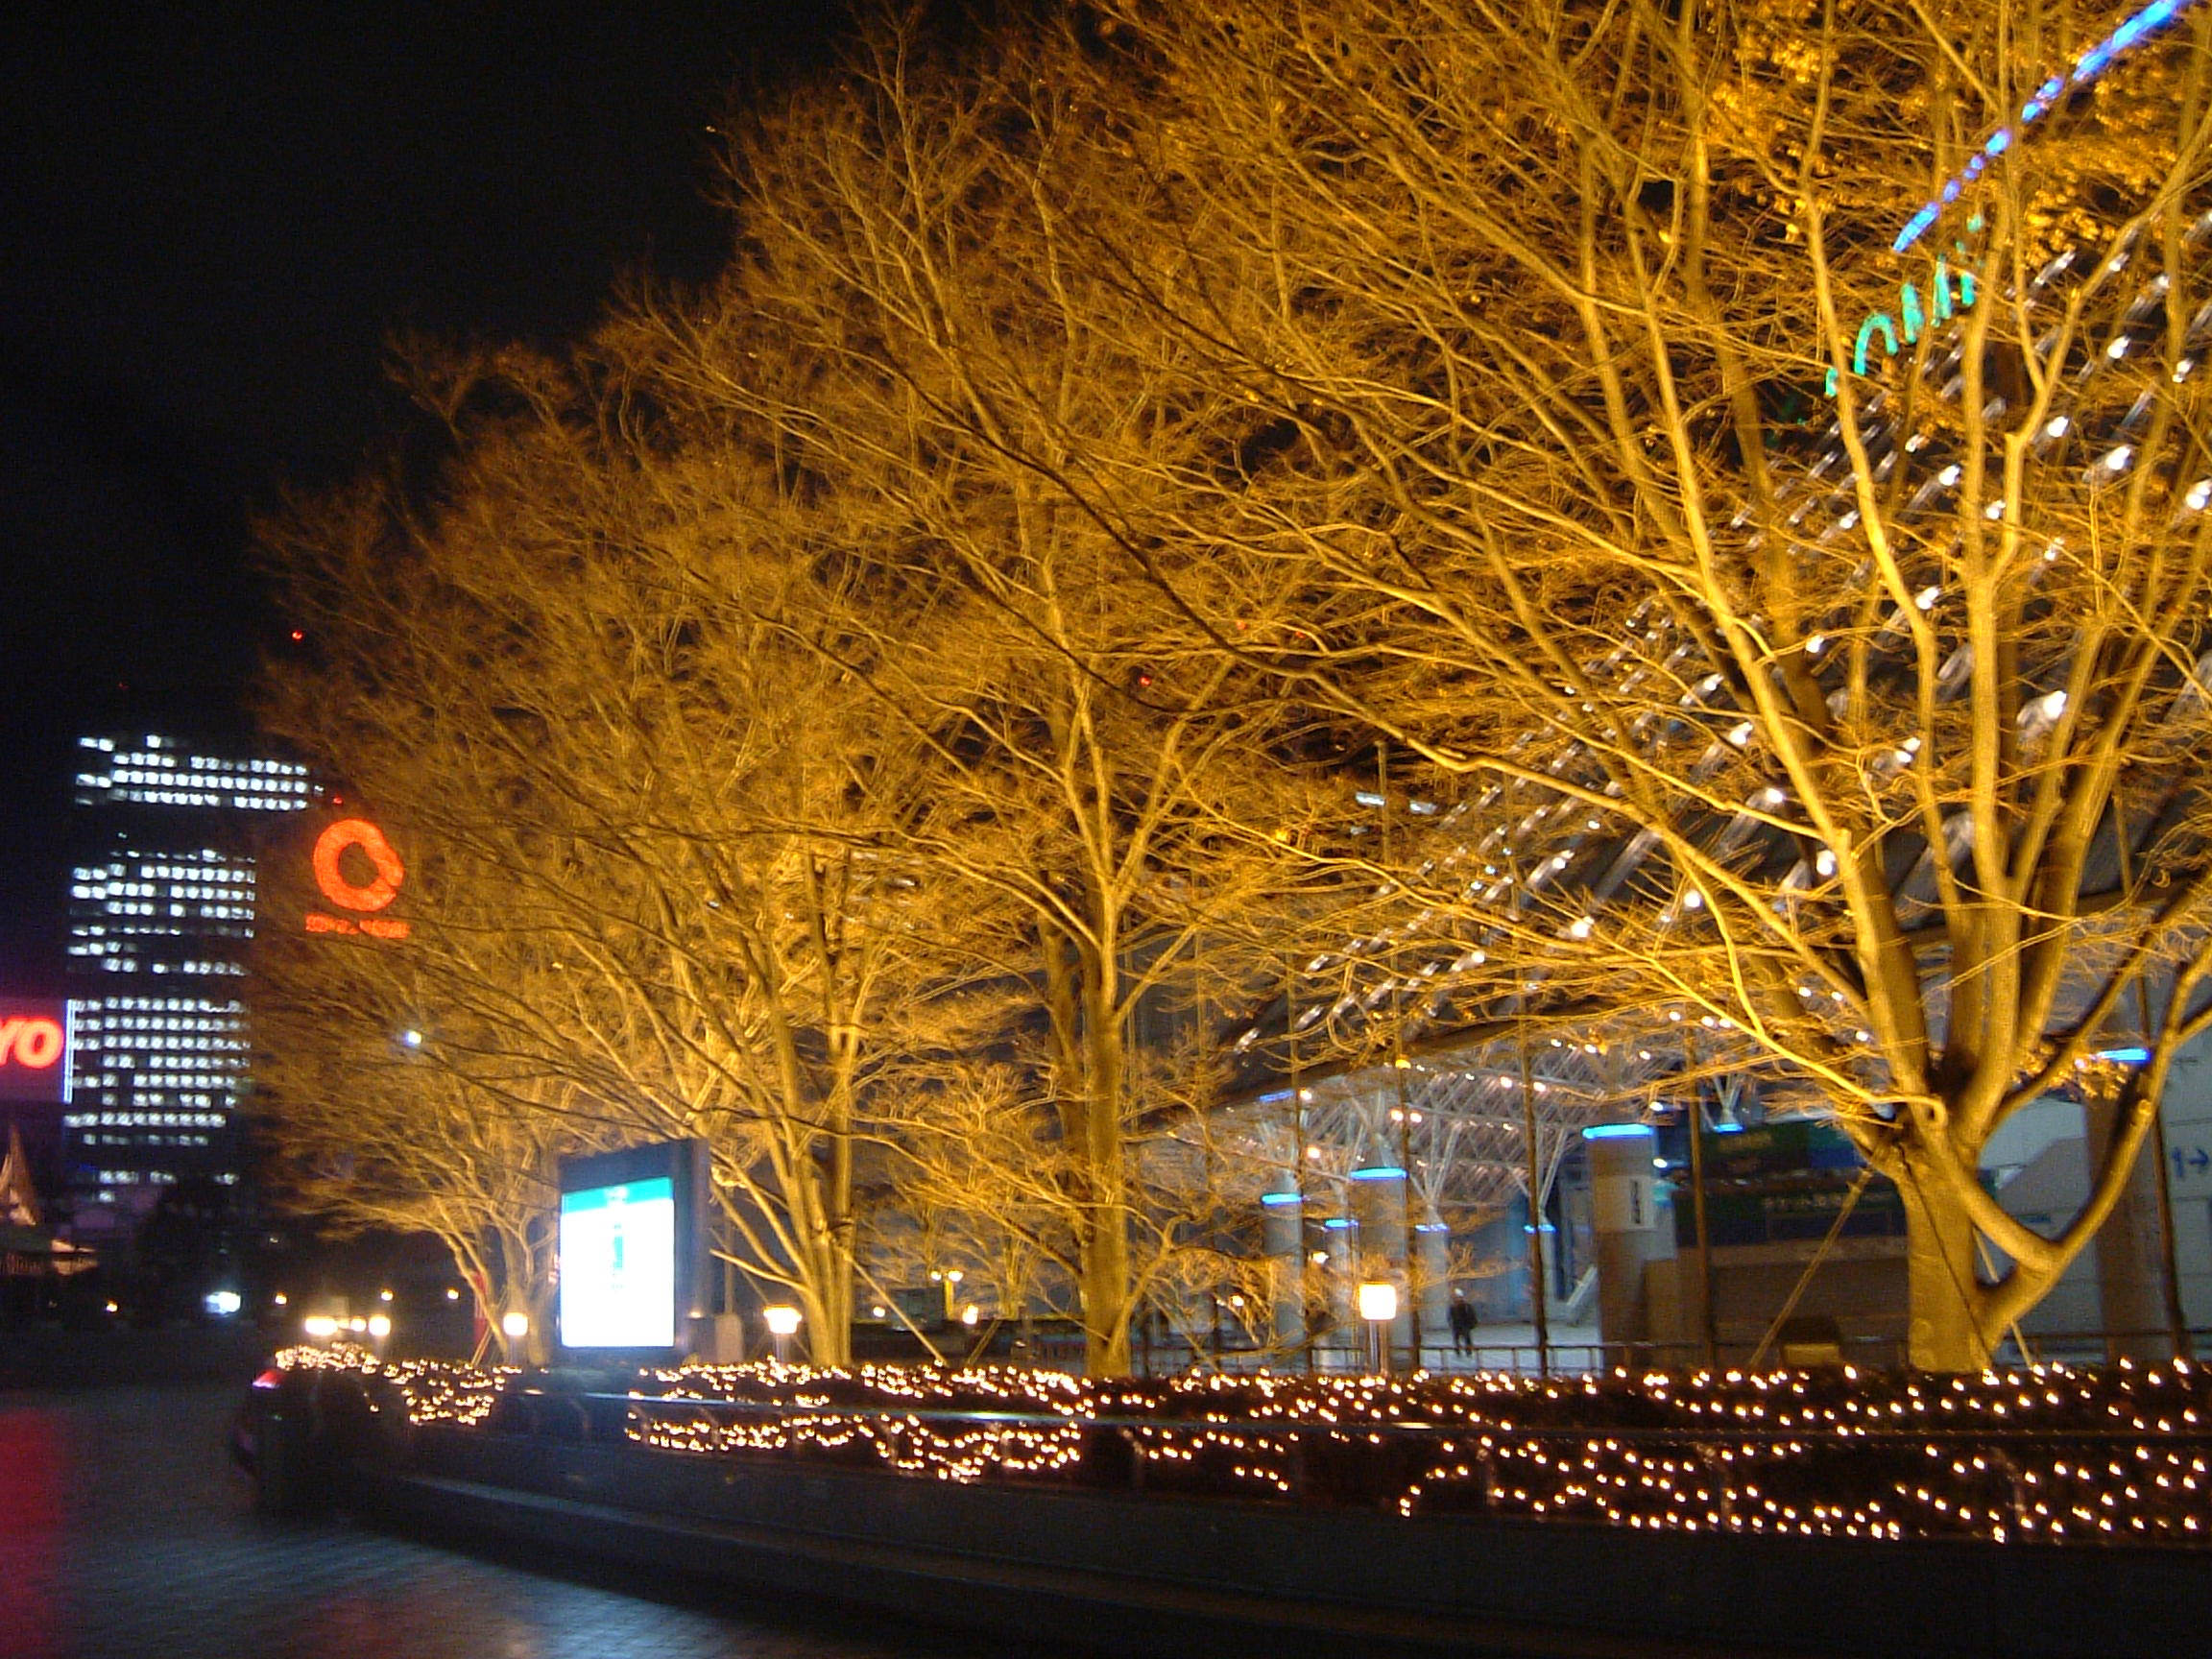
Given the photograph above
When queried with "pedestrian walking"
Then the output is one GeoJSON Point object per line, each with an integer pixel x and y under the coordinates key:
{"type": "Point", "coordinates": [1462, 1323]}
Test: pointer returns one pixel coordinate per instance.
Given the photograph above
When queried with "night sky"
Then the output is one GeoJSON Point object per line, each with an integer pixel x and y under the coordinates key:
{"type": "Point", "coordinates": [212, 219]}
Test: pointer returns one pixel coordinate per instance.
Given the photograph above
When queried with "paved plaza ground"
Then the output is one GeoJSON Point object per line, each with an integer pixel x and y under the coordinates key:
{"type": "Point", "coordinates": [124, 1532]}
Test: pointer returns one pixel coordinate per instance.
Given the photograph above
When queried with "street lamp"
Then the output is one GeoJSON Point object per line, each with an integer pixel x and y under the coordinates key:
{"type": "Point", "coordinates": [1378, 1301]}
{"type": "Point", "coordinates": [782, 1326]}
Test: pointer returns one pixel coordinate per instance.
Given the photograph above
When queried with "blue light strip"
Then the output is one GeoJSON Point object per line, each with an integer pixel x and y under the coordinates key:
{"type": "Point", "coordinates": [1281, 1197]}
{"type": "Point", "coordinates": [2136, 28]}
{"type": "Point", "coordinates": [2134, 1056]}
{"type": "Point", "coordinates": [1615, 1131]}
{"type": "Point", "coordinates": [1379, 1172]}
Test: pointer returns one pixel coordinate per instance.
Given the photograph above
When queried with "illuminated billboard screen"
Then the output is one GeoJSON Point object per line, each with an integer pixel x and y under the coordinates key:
{"type": "Point", "coordinates": [618, 1266]}
{"type": "Point", "coordinates": [34, 1051]}
{"type": "Point", "coordinates": [632, 1250]}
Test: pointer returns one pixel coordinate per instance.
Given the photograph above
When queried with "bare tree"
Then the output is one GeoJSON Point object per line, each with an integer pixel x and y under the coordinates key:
{"type": "Point", "coordinates": [945, 353]}
{"type": "Point", "coordinates": [1820, 680]}
{"type": "Point", "coordinates": [1090, 435]}
{"type": "Point", "coordinates": [658, 817]}
{"type": "Point", "coordinates": [376, 1123]}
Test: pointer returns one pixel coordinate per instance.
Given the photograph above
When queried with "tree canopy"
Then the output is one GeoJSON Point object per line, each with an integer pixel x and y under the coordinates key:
{"type": "Point", "coordinates": [869, 683]}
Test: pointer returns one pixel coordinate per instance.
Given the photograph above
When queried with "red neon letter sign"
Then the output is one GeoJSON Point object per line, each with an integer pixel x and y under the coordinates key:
{"type": "Point", "coordinates": [364, 898]}
{"type": "Point", "coordinates": [34, 1042]}
{"type": "Point", "coordinates": [349, 895]}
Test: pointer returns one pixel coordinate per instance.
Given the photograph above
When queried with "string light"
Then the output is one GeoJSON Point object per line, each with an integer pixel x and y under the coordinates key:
{"type": "Point", "coordinates": [2045, 1453]}
{"type": "Point", "coordinates": [2139, 26]}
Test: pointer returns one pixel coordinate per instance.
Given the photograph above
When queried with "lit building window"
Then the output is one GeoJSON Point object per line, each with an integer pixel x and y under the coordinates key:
{"type": "Point", "coordinates": [160, 900]}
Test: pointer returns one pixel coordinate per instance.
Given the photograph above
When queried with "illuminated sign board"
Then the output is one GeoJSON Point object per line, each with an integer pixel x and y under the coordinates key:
{"type": "Point", "coordinates": [356, 870]}
{"type": "Point", "coordinates": [618, 1266]}
{"type": "Point", "coordinates": [34, 1051]}
{"type": "Point", "coordinates": [632, 1257]}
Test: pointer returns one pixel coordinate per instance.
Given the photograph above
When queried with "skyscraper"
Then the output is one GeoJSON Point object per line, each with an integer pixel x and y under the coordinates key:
{"type": "Point", "coordinates": [162, 911]}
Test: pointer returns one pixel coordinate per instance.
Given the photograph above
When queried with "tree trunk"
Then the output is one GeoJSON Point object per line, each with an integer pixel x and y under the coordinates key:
{"type": "Point", "coordinates": [522, 1290]}
{"type": "Point", "coordinates": [1105, 1241]}
{"type": "Point", "coordinates": [835, 1346]}
{"type": "Point", "coordinates": [2131, 1263]}
{"type": "Point", "coordinates": [1106, 1295]}
{"type": "Point", "coordinates": [1106, 1270]}
{"type": "Point", "coordinates": [1087, 1075]}
{"type": "Point", "coordinates": [1941, 1288]}
{"type": "Point", "coordinates": [538, 1346]}
{"type": "Point", "coordinates": [829, 1332]}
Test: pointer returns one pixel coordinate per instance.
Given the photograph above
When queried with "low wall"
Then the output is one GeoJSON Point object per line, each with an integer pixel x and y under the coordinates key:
{"type": "Point", "coordinates": [1154, 1575]}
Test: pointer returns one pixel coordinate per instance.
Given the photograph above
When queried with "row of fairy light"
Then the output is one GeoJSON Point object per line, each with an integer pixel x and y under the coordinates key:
{"type": "Point", "coordinates": [435, 1392]}
{"type": "Point", "coordinates": [2044, 1452]}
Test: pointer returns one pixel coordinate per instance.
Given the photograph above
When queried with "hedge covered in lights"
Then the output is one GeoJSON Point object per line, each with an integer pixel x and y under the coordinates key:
{"type": "Point", "coordinates": [2047, 1453]}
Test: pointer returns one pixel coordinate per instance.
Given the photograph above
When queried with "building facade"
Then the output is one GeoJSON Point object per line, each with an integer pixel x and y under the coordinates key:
{"type": "Point", "coordinates": [161, 912]}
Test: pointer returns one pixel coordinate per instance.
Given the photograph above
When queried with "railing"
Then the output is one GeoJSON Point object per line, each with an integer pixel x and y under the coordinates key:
{"type": "Point", "coordinates": [1174, 1356]}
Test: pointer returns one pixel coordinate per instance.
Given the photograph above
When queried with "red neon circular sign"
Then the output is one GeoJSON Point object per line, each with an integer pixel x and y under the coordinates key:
{"type": "Point", "coordinates": [337, 887]}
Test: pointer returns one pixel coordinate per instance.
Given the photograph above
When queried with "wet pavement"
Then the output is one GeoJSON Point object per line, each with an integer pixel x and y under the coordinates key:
{"type": "Point", "coordinates": [125, 1532]}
